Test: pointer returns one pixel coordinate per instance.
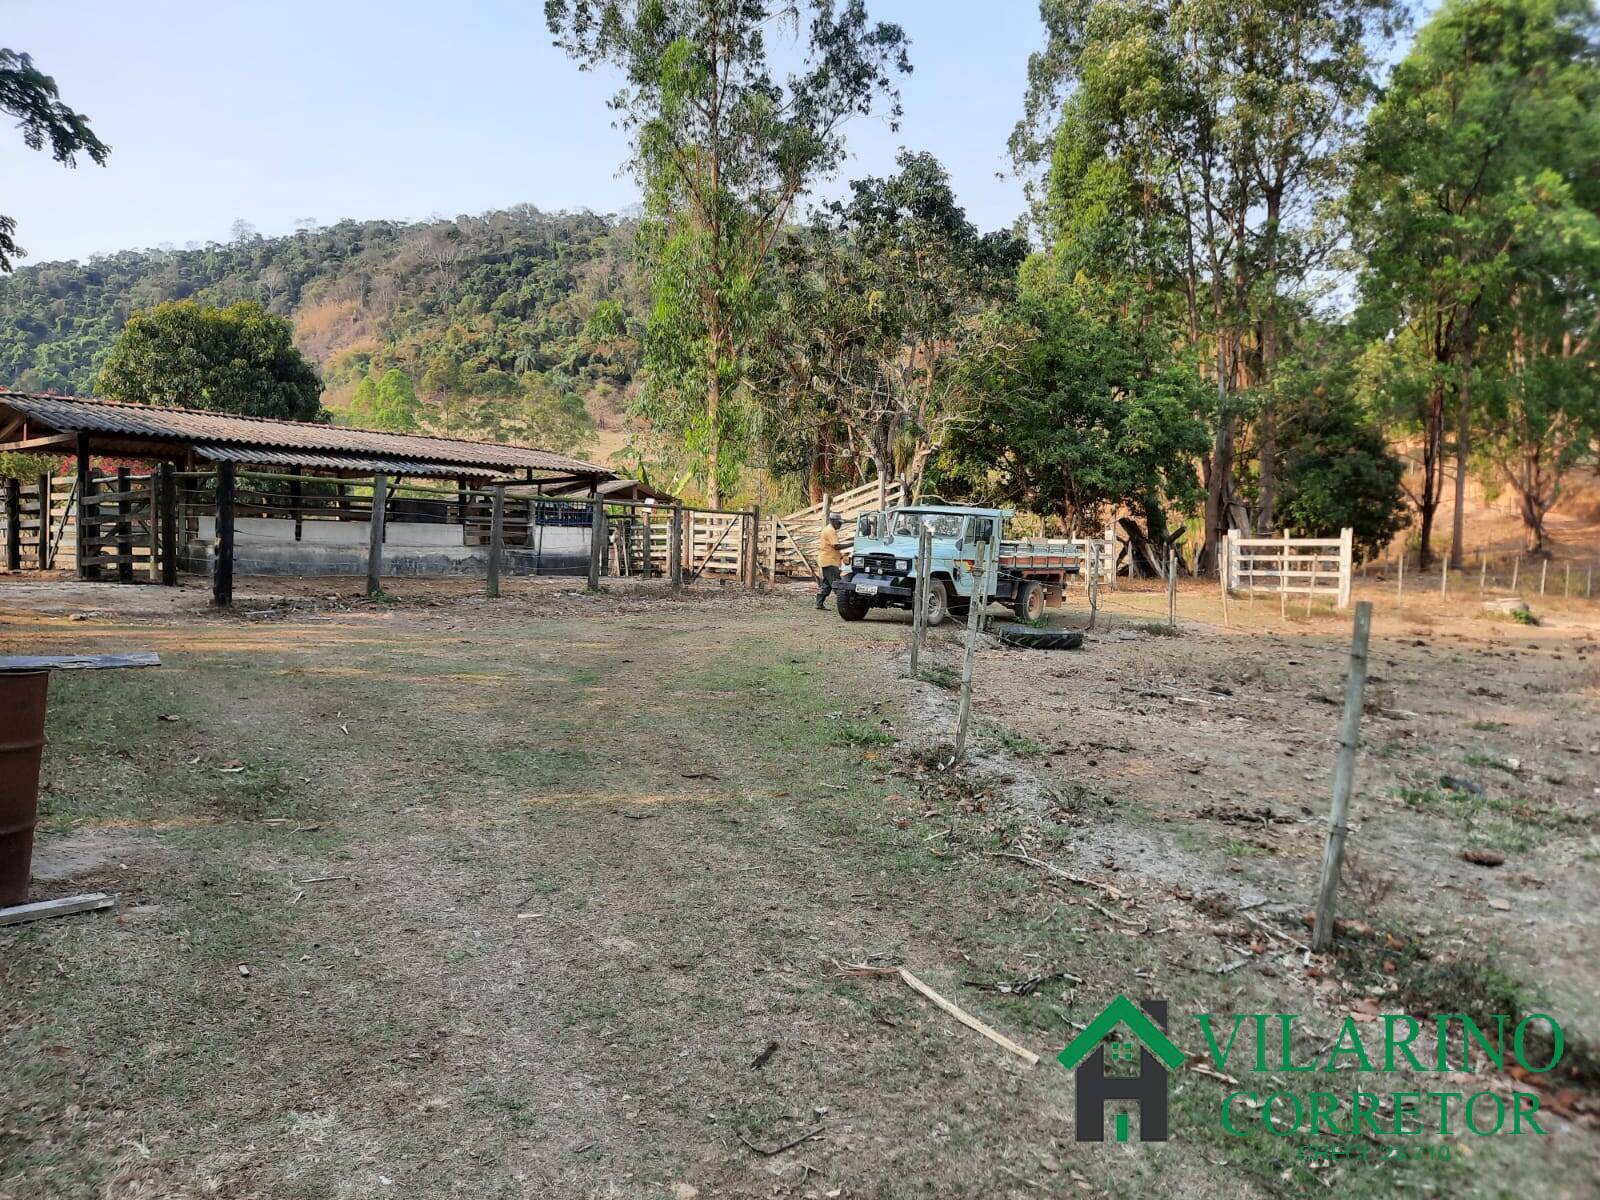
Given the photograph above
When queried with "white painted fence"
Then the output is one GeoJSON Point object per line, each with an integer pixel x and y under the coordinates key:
{"type": "Point", "coordinates": [1292, 566]}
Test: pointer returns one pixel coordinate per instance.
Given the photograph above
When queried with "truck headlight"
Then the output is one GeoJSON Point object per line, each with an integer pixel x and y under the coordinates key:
{"type": "Point", "coordinates": [902, 565]}
{"type": "Point", "coordinates": [858, 562]}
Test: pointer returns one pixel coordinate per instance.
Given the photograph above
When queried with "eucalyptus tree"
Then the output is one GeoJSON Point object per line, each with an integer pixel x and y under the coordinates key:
{"type": "Point", "coordinates": [1196, 147]}
{"type": "Point", "coordinates": [724, 144]}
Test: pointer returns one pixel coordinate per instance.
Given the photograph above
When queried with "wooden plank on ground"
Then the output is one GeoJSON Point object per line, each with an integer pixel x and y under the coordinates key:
{"type": "Point", "coordinates": [39, 909]}
{"type": "Point", "coordinates": [76, 662]}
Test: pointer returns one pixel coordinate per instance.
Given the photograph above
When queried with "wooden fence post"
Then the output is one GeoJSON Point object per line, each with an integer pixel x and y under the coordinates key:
{"type": "Point", "coordinates": [597, 540]}
{"type": "Point", "coordinates": [169, 525]}
{"type": "Point", "coordinates": [675, 548]}
{"type": "Point", "coordinates": [380, 488]}
{"type": "Point", "coordinates": [1566, 583]}
{"type": "Point", "coordinates": [1444, 578]}
{"type": "Point", "coordinates": [772, 553]}
{"type": "Point", "coordinates": [1516, 569]}
{"type": "Point", "coordinates": [1347, 555]}
{"type": "Point", "coordinates": [1283, 578]}
{"type": "Point", "coordinates": [1483, 571]}
{"type": "Point", "coordinates": [919, 596]}
{"type": "Point", "coordinates": [46, 519]}
{"type": "Point", "coordinates": [124, 530]}
{"type": "Point", "coordinates": [1344, 774]}
{"type": "Point", "coordinates": [1172, 588]}
{"type": "Point", "coordinates": [752, 545]}
{"type": "Point", "coordinates": [1093, 559]}
{"type": "Point", "coordinates": [974, 623]}
{"type": "Point", "coordinates": [1225, 574]}
{"type": "Point", "coordinates": [497, 539]}
{"type": "Point", "coordinates": [86, 547]}
{"type": "Point", "coordinates": [1544, 567]}
{"type": "Point", "coordinates": [13, 525]}
{"type": "Point", "coordinates": [1400, 582]}
{"type": "Point", "coordinates": [222, 566]}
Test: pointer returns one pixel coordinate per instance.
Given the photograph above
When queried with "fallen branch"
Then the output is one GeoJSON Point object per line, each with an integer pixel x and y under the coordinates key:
{"type": "Point", "coordinates": [967, 1019]}
{"type": "Point", "coordinates": [1057, 872]}
{"type": "Point", "coordinates": [804, 1137]}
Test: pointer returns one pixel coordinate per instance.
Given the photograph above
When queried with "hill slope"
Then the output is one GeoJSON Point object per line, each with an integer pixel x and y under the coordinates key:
{"type": "Point", "coordinates": [484, 313]}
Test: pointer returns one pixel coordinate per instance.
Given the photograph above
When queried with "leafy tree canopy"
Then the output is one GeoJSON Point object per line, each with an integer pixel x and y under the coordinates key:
{"type": "Point", "coordinates": [31, 96]}
{"type": "Point", "coordinates": [240, 359]}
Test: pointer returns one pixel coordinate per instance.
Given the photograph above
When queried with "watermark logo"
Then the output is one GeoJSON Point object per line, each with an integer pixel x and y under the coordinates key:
{"type": "Point", "coordinates": [1086, 1058]}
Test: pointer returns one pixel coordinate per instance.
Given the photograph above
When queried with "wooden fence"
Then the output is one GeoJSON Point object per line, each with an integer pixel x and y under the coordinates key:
{"type": "Point", "coordinates": [1287, 566]}
{"type": "Point", "coordinates": [32, 544]}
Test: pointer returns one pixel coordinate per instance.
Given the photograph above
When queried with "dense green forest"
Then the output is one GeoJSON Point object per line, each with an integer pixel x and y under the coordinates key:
{"type": "Point", "coordinates": [491, 317]}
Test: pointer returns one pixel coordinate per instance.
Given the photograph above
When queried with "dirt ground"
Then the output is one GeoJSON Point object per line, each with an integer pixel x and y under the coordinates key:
{"type": "Point", "coordinates": [553, 896]}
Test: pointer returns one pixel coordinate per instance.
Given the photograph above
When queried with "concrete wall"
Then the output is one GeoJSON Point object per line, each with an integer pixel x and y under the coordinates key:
{"type": "Point", "coordinates": [267, 546]}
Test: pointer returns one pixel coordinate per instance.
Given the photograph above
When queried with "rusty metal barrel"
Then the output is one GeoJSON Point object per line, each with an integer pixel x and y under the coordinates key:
{"type": "Point", "coordinates": [22, 705]}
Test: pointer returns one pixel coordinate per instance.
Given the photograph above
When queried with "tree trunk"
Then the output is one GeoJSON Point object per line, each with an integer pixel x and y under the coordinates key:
{"type": "Point", "coordinates": [1432, 478]}
{"type": "Point", "coordinates": [1463, 433]}
{"type": "Point", "coordinates": [1266, 517]}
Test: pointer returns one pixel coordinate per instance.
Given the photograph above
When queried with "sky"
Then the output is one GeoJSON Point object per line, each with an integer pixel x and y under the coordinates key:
{"type": "Point", "coordinates": [280, 112]}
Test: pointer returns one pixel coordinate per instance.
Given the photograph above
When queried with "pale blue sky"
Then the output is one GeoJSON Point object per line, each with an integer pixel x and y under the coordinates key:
{"type": "Point", "coordinates": [276, 112]}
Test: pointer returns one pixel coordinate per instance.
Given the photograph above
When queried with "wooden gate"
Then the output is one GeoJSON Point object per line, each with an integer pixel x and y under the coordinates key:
{"type": "Point", "coordinates": [38, 536]}
{"type": "Point", "coordinates": [1292, 566]}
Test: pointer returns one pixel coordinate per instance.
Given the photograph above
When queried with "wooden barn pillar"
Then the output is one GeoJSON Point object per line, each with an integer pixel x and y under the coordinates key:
{"type": "Point", "coordinates": [124, 529]}
{"type": "Point", "coordinates": [380, 486]}
{"type": "Point", "coordinates": [675, 548]}
{"type": "Point", "coordinates": [597, 541]}
{"type": "Point", "coordinates": [87, 533]}
{"type": "Point", "coordinates": [296, 495]}
{"type": "Point", "coordinates": [168, 520]}
{"type": "Point", "coordinates": [222, 569]}
{"type": "Point", "coordinates": [497, 540]}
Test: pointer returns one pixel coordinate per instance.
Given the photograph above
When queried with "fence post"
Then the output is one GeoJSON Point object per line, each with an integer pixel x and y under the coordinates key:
{"type": "Point", "coordinates": [1172, 588]}
{"type": "Point", "coordinates": [597, 540]}
{"type": "Point", "coordinates": [1344, 774]}
{"type": "Point", "coordinates": [772, 553]}
{"type": "Point", "coordinates": [46, 519]}
{"type": "Point", "coordinates": [1566, 584]}
{"type": "Point", "coordinates": [1347, 557]}
{"type": "Point", "coordinates": [1400, 582]}
{"type": "Point", "coordinates": [974, 622]}
{"type": "Point", "coordinates": [86, 541]}
{"type": "Point", "coordinates": [222, 567]}
{"type": "Point", "coordinates": [124, 530]}
{"type": "Point", "coordinates": [919, 596]}
{"type": "Point", "coordinates": [1483, 571]}
{"type": "Point", "coordinates": [675, 548]}
{"type": "Point", "coordinates": [752, 544]}
{"type": "Point", "coordinates": [497, 539]}
{"type": "Point", "coordinates": [1444, 578]}
{"type": "Point", "coordinates": [13, 525]}
{"type": "Point", "coordinates": [1225, 574]}
{"type": "Point", "coordinates": [1283, 578]}
{"type": "Point", "coordinates": [169, 525]}
{"type": "Point", "coordinates": [1093, 559]}
{"type": "Point", "coordinates": [1516, 569]}
{"type": "Point", "coordinates": [1544, 567]}
{"type": "Point", "coordinates": [380, 487]}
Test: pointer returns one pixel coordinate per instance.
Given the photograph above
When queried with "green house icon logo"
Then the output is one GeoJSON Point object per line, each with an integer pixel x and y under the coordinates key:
{"type": "Point", "coordinates": [1086, 1058]}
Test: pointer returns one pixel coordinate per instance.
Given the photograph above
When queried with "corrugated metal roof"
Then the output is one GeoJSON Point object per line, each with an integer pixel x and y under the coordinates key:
{"type": "Point", "coordinates": [76, 414]}
{"type": "Point", "coordinates": [256, 456]}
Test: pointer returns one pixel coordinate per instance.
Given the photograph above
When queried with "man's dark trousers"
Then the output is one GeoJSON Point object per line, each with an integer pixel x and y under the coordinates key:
{"type": "Point", "coordinates": [830, 576]}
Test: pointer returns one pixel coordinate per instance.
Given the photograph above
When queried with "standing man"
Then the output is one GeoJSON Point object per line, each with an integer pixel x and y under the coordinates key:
{"type": "Point", "coordinates": [829, 560]}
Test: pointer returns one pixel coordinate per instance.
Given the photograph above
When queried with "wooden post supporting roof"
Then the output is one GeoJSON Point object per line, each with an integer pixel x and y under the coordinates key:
{"type": "Point", "coordinates": [86, 540]}
{"type": "Point", "coordinates": [375, 541]}
{"type": "Point", "coordinates": [169, 525]}
{"type": "Point", "coordinates": [13, 525]}
{"type": "Point", "coordinates": [222, 567]}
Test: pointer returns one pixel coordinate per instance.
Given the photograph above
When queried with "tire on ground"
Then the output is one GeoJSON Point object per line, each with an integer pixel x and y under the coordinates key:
{"type": "Point", "coordinates": [852, 607]}
{"type": "Point", "coordinates": [1023, 638]}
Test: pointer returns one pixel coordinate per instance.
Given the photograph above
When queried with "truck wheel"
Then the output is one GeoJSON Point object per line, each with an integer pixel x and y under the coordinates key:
{"type": "Point", "coordinates": [852, 607]}
{"type": "Point", "coordinates": [937, 602]}
{"type": "Point", "coordinates": [1029, 602]}
{"type": "Point", "coordinates": [1023, 637]}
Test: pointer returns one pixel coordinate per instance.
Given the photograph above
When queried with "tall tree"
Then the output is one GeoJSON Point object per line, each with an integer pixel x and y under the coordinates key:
{"type": "Point", "coordinates": [886, 295]}
{"type": "Point", "coordinates": [1083, 412]}
{"type": "Point", "coordinates": [1484, 149]}
{"type": "Point", "coordinates": [32, 97]}
{"type": "Point", "coordinates": [723, 147]}
{"type": "Point", "coordinates": [1200, 141]}
{"type": "Point", "coordinates": [240, 359]}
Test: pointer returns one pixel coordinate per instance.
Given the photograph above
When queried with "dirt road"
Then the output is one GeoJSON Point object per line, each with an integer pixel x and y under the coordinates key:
{"type": "Point", "coordinates": [549, 897]}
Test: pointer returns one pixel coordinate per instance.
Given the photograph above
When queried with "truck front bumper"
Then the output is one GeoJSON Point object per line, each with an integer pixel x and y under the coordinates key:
{"type": "Point", "coordinates": [876, 587]}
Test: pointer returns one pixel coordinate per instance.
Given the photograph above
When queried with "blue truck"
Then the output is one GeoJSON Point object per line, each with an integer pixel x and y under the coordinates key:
{"type": "Point", "coordinates": [1025, 576]}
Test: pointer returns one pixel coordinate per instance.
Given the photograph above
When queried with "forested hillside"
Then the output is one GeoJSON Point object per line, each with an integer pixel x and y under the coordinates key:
{"type": "Point", "coordinates": [493, 318]}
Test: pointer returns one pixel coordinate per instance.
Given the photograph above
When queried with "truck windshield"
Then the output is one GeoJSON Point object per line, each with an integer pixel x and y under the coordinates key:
{"type": "Point", "coordinates": [940, 525]}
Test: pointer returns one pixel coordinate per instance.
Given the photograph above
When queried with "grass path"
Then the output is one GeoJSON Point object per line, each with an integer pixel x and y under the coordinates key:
{"type": "Point", "coordinates": [579, 863]}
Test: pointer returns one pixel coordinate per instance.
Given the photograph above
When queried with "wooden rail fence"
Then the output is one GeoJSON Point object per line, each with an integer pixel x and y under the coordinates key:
{"type": "Point", "coordinates": [1287, 566]}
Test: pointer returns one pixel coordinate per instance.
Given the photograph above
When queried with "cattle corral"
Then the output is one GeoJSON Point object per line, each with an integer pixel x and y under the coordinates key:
{"type": "Point", "coordinates": [533, 882]}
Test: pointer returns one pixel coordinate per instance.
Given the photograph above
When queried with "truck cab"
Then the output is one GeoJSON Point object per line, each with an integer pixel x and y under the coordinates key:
{"type": "Point", "coordinates": [965, 544]}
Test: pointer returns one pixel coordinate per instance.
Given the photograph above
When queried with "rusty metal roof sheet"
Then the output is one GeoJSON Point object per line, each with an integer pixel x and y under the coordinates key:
{"type": "Point", "coordinates": [257, 456]}
{"type": "Point", "coordinates": [75, 414]}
